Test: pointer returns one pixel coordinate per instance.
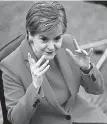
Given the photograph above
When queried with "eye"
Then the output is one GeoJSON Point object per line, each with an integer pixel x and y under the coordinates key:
{"type": "Point", "coordinates": [57, 38]}
{"type": "Point", "coordinates": [44, 39]}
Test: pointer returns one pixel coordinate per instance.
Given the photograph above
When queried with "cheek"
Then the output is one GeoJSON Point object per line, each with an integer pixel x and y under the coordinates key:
{"type": "Point", "coordinates": [43, 46]}
{"type": "Point", "coordinates": [58, 45]}
{"type": "Point", "coordinates": [40, 47]}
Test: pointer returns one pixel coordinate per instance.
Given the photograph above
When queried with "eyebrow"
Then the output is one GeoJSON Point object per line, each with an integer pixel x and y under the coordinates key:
{"type": "Point", "coordinates": [43, 36]}
{"type": "Point", "coordinates": [47, 37]}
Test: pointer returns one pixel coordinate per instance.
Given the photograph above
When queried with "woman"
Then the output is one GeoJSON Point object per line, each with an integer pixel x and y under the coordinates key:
{"type": "Point", "coordinates": [43, 75]}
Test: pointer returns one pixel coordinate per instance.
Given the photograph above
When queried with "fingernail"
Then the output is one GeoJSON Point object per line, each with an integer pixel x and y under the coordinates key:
{"type": "Point", "coordinates": [47, 61]}
{"type": "Point", "coordinates": [48, 66]}
{"type": "Point", "coordinates": [66, 49]}
{"type": "Point", "coordinates": [43, 56]}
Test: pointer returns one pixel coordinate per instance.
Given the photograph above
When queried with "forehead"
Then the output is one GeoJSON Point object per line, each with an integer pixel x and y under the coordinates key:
{"type": "Point", "coordinates": [53, 32]}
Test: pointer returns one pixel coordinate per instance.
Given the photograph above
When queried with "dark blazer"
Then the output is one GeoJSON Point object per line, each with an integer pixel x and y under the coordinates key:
{"type": "Point", "coordinates": [27, 106]}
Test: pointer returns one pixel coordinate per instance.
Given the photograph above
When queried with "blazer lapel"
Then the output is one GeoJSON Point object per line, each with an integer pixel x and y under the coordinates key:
{"type": "Point", "coordinates": [48, 92]}
{"type": "Point", "coordinates": [67, 73]}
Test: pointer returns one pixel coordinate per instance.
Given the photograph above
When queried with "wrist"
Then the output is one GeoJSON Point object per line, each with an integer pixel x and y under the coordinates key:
{"type": "Point", "coordinates": [37, 82]}
{"type": "Point", "coordinates": [86, 71]}
{"type": "Point", "coordinates": [35, 85]}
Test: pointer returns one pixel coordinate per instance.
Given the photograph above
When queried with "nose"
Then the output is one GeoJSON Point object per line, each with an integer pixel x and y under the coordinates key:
{"type": "Point", "coordinates": [51, 46]}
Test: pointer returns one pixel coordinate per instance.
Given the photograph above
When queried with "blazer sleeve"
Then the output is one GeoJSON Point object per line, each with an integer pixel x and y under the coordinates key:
{"type": "Point", "coordinates": [21, 105]}
{"type": "Point", "coordinates": [93, 82]}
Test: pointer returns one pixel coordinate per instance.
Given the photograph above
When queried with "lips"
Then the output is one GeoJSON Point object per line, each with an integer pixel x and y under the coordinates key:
{"type": "Point", "coordinates": [49, 53]}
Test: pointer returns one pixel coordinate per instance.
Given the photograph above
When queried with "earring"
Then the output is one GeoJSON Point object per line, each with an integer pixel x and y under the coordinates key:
{"type": "Point", "coordinates": [30, 38]}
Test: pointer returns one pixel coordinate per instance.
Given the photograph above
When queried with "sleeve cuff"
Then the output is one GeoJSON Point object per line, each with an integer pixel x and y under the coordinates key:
{"type": "Point", "coordinates": [40, 91]}
{"type": "Point", "coordinates": [87, 71]}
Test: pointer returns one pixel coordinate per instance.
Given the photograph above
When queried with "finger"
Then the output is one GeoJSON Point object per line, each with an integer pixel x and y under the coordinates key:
{"type": "Point", "coordinates": [70, 53]}
{"type": "Point", "coordinates": [44, 65]}
{"type": "Point", "coordinates": [75, 44]}
{"type": "Point", "coordinates": [40, 60]}
{"type": "Point", "coordinates": [78, 51]}
{"type": "Point", "coordinates": [43, 72]}
{"type": "Point", "coordinates": [84, 52]}
{"type": "Point", "coordinates": [90, 52]}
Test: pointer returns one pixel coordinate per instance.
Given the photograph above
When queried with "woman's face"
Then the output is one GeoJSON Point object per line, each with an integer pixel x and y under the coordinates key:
{"type": "Point", "coordinates": [48, 43]}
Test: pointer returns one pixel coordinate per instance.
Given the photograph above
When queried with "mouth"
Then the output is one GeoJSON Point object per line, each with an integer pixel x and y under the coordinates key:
{"type": "Point", "coordinates": [50, 53]}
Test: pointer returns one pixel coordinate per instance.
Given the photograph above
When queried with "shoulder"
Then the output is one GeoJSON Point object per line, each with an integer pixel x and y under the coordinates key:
{"type": "Point", "coordinates": [10, 64]}
{"type": "Point", "coordinates": [15, 57]}
{"type": "Point", "coordinates": [68, 42]}
{"type": "Point", "coordinates": [67, 37]}
{"type": "Point", "coordinates": [10, 54]}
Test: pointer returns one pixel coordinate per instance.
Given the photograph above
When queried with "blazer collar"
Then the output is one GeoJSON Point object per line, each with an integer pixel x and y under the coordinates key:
{"type": "Point", "coordinates": [26, 48]}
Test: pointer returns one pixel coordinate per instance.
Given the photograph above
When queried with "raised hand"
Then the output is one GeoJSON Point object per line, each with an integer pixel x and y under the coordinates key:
{"type": "Point", "coordinates": [38, 70]}
{"type": "Point", "coordinates": [81, 57]}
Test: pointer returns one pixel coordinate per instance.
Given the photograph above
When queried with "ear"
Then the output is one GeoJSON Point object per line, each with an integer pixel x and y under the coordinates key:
{"type": "Point", "coordinates": [30, 37]}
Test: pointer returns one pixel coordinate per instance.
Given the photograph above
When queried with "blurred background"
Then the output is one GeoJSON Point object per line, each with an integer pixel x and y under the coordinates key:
{"type": "Point", "coordinates": [87, 22]}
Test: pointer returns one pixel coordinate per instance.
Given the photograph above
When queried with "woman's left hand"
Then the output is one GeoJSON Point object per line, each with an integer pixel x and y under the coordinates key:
{"type": "Point", "coordinates": [81, 58]}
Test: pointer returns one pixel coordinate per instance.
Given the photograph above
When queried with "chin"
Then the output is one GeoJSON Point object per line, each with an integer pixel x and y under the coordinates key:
{"type": "Point", "coordinates": [49, 57]}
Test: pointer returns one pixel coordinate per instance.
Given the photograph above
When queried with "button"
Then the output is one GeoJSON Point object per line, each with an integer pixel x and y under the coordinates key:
{"type": "Point", "coordinates": [86, 89]}
{"type": "Point", "coordinates": [93, 77]}
{"type": "Point", "coordinates": [36, 103]}
{"type": "Point", "coordinates": [68, 117]}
